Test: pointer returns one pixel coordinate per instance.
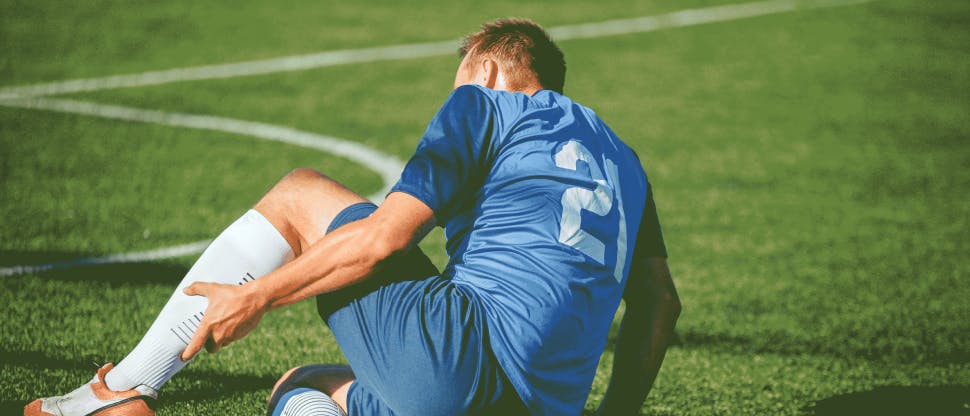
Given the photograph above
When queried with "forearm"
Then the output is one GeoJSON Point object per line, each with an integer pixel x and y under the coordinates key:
{"type": "Point", "coordinates": [640, 348]}
{"type": "Point", "coordinates": [343, 258]}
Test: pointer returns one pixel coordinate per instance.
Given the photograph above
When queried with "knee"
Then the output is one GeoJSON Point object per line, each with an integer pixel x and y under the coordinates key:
{"type": "Point", "coordinates": [299, 175]}
{"type": "Point", "coordinates": [323, 377]}
{"type": "Point", "coordinates": [286, 192]}
{"type": "Point", "coordinates": [294, 181]}
{"type": "Point", "coordinates": [292, 379]}
{"type": "Point", "coordinates": [286, 376]}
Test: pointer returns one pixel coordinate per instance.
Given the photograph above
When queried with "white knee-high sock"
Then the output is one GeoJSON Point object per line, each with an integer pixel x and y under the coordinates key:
{"type": "Point", "coordinates": [248, 249]}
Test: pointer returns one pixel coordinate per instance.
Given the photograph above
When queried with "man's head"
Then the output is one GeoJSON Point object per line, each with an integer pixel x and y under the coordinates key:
{"type": "Point", "coordinates": [515, 55]}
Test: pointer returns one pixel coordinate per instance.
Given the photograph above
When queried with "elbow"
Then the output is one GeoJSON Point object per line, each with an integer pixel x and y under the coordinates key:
{"type": "Point", "coordinates": [663, 305]}
{"type": "Point", "coordinates": [382, 248]}
{"type": "Point", "coordinates": [675, 307]}
{"type": "Point", "coordinates": [670, 303]}
{"type": "Point", "coordinates": [378, 239]}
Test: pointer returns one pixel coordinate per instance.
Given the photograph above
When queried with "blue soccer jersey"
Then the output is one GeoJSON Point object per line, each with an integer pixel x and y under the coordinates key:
{"type": "Point", "coordinates": [541, 204]}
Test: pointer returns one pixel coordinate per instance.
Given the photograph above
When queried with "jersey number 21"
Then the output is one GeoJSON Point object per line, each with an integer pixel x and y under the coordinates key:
{"type": "Point", "coordinates": [598, 201]}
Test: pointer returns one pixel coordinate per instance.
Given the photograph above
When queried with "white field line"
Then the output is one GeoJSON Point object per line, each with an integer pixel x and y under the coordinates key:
{"type": "Point", "coordinates": [692, 17]}
{"type": "Point", "coordinates": [239, 69]}
{"type": "Point", "coordinates": [386, 166]}
{"type": "Point", "coordinates": [681, 18]}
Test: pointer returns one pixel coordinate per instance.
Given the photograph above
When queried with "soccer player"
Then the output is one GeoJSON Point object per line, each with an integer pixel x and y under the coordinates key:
{"type": "Point", "coordinates": [550, 221]}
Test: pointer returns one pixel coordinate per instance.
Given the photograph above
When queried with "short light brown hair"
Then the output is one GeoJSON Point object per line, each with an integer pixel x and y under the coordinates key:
{"type": "Point", "coordinates": [523, 48]}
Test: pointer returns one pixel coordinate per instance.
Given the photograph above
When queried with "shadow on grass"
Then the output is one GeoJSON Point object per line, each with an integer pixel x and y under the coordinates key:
{"type": "Point", "coordinates": [214, 385]}
{"type": "Point", "coordinates": [68, 267]}
{"type": "Point", "coordinates": [12, 407]}
{"type": "Point", "coordinates": [205, 384]}
{"type": "Point", "coordinates": [785, 346]}
{"type": "Point", "coordinates": [37, 360]}
{"type": "Point", "coordinates": [897, 400]}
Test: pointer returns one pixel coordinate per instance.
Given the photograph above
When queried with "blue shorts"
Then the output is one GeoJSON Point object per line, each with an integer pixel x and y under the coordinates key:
{"type": "Point", "coordinates": [417, 343]}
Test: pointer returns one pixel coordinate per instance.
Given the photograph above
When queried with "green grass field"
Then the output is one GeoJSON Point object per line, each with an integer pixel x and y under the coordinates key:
{"type": "Point", "coordinates": [810, 170]}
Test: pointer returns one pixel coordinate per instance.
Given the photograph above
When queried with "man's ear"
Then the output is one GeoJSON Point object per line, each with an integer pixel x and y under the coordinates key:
{"type": "Point", "coordinates": [490, 73]}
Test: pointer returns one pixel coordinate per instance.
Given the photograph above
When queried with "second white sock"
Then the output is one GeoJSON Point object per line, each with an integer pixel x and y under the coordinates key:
{"type": "Point", "coordinates": [307, 402]}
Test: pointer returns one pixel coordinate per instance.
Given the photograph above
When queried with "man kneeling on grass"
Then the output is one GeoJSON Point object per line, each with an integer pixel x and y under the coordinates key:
{"type": "Point", "coordinates": [550, 220]}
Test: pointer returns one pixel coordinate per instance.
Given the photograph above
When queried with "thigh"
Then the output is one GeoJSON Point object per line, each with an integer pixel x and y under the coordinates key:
{"type": "Point", "coordinates": [361, 401]}
{"type": "Point", "coordinates": [416, 342]}
{"type": "Point", "coordinates": [420, 347]}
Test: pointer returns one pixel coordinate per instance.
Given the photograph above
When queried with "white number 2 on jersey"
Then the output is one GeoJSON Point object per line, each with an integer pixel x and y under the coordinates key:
{"type": "Point", "coordinates": [599, 201]}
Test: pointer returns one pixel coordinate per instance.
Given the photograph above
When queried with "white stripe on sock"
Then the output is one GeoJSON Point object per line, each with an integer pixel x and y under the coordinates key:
{"type": "Point", "coordinates": [311, 403]}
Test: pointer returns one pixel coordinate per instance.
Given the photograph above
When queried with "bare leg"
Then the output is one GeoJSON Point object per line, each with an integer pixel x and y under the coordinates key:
{"type": "Point", "coordinates": [302, 205]}
{"type": "Point", "coordinates": [292, 215]}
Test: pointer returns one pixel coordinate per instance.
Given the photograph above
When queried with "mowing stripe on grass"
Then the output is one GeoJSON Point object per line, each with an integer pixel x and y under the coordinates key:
{"type": "Point", "coordinates": [133, 257]}
{"type": "Point", "coordinates": [689, 17]}
{"type": "Point", "coordinates": [388, 167]}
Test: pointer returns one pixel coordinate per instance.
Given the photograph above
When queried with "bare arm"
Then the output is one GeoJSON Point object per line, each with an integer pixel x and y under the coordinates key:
{"type": "Point", "coordinates": [652, 308]}
{"type": "Point", "coordinates": [342, 258]}
{"type": "Point", "coordinates": [350, 253]}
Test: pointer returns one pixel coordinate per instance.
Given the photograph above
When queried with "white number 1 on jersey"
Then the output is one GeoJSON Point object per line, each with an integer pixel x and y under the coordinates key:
{"type": "Point", "coordinates": [599, 201]}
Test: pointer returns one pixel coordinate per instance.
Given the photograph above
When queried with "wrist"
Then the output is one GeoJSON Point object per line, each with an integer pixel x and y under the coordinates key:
{"type": "Point", "coordinates": [257, 295]}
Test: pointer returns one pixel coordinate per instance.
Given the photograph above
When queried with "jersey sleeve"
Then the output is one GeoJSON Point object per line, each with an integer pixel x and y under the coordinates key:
{"type": "Point", "coordinates": [453, 156]}
{"type": "Point", "coordinates": [650, 239]}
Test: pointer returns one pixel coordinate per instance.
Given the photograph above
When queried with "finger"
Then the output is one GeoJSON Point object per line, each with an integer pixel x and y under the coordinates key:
{"type": "Point", "coordinates": [196, 343]}
{"type": "Point", "coordinates": [197, 289]}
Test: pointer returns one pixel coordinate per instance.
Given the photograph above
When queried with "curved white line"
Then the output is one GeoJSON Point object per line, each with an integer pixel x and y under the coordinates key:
{"type": "Point", "coordinates": [386, 166]}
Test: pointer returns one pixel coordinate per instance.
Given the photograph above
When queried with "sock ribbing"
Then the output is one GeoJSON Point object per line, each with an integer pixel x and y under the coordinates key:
{"type": "Point", "coordinates": [249, 248]}
{"type": "Point", "coordinates": [307, 402]}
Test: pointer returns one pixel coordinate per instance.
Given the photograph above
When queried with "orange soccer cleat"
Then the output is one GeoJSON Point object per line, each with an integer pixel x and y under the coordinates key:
{"type": "Point", "coordinates": [94, 399]}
